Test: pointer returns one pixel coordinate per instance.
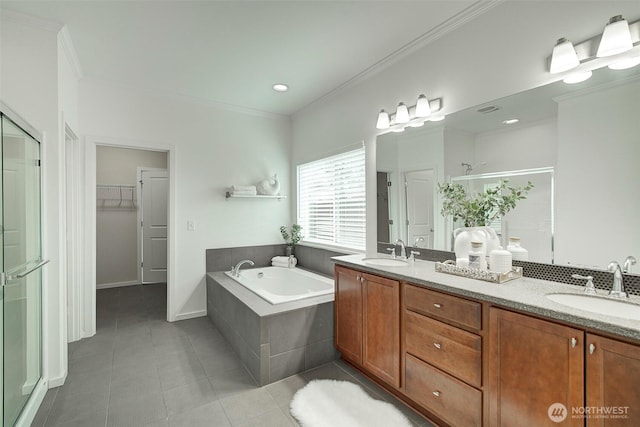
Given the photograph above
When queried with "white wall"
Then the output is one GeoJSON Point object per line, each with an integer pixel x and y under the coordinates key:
{"type": "Point", "coordinates": [117, 227]}
{"type": "Point", "coordinates": [212, 149]}
{"type": "Point", "coordinates": [598, 129]}
{"type": "Point", "coordinates": [29, 78]}
{"type": "Point", "coordinates": [501, 52]}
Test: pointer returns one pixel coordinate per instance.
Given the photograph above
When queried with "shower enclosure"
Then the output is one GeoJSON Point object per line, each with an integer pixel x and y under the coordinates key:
{"type": "Point", "coordinates": [21, 258]}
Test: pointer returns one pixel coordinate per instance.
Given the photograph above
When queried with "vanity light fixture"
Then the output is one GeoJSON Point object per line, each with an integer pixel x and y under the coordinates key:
{"type": "Point", "coordinates": [616, 37]}
{"type": "Point", "coordinates": [564, 57]}
{"type": "Point", "coordinates": [618, 48]}
{"type": "Point", "coordinates": [410, 116]}
{"type": "Point", "coordinates": [280, 87]}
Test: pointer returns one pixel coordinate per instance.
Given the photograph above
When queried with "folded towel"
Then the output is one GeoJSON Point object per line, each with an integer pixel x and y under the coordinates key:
{"type": "Point", "coordinates": [284, 264]}
{"type": "Point", "coordinates": [280, 258]}
{"type": "Point", "coordinates": [277, 264]}
{"type": "Point", "coordinates": [244, 188]}
{"type": "Point", "coordinates": [244, 192]}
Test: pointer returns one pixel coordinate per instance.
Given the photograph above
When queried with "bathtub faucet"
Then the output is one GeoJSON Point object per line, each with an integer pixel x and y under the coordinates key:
{"type": "Point", "coordinates": [235, 271]}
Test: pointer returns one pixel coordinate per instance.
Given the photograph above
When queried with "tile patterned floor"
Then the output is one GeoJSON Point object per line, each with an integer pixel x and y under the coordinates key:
{"type": "Point", "coordinates": [139, 370]}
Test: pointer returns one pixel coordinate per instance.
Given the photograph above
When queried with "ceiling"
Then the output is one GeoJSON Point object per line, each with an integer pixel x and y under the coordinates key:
{"type": "Point", "coordinates": [230, 53]}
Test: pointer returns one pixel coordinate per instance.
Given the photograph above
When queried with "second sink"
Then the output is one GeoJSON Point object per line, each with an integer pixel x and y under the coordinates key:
{"type": "Point", "coordinates": [600, 305]}
{"type": "Point", "coordinates": [385, 262]}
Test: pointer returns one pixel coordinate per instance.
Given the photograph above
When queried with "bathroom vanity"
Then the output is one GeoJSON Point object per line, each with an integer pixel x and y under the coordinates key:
{"type": "Point", "coordinates": [470, 353]}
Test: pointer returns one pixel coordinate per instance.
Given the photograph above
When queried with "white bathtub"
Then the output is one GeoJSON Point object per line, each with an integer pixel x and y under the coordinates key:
{"type": "Point", "coordinates": [279, 284]}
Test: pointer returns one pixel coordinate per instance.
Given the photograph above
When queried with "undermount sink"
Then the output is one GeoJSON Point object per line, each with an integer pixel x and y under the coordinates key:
{"type": "Point", "coordinates": [600, 305]}
{"type": "Point", "coordinates": [386, 262]}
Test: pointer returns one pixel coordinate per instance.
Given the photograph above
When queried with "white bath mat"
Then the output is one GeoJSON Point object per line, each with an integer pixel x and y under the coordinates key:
{"type": "Point", "coordinates": [330, 403]}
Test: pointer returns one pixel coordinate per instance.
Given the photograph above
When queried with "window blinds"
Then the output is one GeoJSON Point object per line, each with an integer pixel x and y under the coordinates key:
{"type": "Point", "coordinates": [331, 200]}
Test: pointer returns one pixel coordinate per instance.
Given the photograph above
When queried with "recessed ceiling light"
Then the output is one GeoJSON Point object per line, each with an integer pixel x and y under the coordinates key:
{"type": "Point", "coordinates": [510, 121]}
{"type": "Point", "coordinates": [280, 87]}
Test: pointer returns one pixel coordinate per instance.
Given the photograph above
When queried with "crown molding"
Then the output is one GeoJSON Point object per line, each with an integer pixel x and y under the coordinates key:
{"type": "Point", "coordinates": [32, 21]}
{"type": "Point", "coordinates": [466, 15]}
{"type": "Point", "coordinates": [70, 51]}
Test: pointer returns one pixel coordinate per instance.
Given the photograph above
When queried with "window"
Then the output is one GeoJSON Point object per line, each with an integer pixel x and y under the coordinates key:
{"type": "Point", "coordinates": [331, 200]}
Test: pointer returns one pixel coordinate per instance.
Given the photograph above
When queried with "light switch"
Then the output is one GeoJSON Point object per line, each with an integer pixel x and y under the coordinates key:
{"type": "Point", "coordinates": [191, 225]}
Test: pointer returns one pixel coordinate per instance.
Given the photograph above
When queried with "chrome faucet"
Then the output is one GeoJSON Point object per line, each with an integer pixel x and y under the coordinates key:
{"type": "Point", "coordinates": [235, 271]}
{"type": "Point", "coordinates": [617, 290]}
{"type": "Point", "coordinates": [403, 249]}
{"type": "Point", "coordinates": [626, 267]}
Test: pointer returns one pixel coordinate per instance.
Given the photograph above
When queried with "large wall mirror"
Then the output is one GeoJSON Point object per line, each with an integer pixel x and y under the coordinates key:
{"type": "Point", "coordinates": [587, 134]}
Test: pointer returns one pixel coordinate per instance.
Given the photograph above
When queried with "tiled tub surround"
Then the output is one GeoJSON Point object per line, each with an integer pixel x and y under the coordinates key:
{"type": "Point", "coordinates": [310, 258]}
{"type": "Point", "coordinates": [273, 341]}
{"type": "Point", "coordinates": [525, 294]}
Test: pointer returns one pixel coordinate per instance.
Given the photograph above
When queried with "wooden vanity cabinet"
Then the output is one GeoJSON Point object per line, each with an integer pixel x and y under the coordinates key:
{"type": "Point", "coordinates": [613, 381]}
{"type": "Point", "coordinates": [443, 362]}
{"type": "Point", "coordinates": [533, 363]}
{"type": "Point", "coordinates": [367, 322]}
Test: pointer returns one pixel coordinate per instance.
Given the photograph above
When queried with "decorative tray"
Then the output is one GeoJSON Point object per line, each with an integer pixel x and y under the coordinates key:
{"type": "Point", "coordinates": [473, 273]}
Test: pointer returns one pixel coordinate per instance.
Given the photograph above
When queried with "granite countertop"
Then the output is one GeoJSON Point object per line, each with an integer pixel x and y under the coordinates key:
{"type": "Point", "coordinates": [523, 294]}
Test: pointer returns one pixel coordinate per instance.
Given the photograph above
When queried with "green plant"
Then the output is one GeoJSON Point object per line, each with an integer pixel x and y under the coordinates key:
{"type": "Point", "coordinates": [480, 209]}
{"type": "Point", "coordinates": [295, 236]}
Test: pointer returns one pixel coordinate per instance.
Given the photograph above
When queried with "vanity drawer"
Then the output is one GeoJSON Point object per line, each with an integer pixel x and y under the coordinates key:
{"type": "Point", "coordinates": [446, 307]}
{"type": "Point", "coordinates": [450, 399]}
{"type": "Point", "coordinates": [451, 349]}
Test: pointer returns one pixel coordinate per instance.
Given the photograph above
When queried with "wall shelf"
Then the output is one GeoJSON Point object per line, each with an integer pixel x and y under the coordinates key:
{"type": "Point", "coordinates": [229, 195]}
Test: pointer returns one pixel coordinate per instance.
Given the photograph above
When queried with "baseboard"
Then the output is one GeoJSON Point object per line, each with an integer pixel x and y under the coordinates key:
{"type": "Point", "coordinates": [33, 404]}
{"type": "Point", "coordinates": [117, 284]}
{"type": "Point", "coordinates": [58, 381]}
{"type": "Point", "coordinates": [191, 315]}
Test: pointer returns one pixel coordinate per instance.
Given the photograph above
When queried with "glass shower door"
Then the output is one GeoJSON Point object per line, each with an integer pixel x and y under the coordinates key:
{"type": "Point", "coordinates": [21, 277]}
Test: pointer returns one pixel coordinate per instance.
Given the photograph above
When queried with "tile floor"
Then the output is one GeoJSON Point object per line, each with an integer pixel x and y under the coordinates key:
{"type": "Point", "coordinates": [139, 370]}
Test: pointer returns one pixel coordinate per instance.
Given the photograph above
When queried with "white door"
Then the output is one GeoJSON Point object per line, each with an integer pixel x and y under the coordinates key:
{"type": "Point", "coordinates": [154, 207]}
{"type": "Point", "coordinates": [419, 198]}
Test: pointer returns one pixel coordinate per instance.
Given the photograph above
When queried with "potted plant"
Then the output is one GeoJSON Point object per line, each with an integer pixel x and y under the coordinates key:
{"type": "Point", "coordinates": [291, 238]}
{"type": "Point", "coordinates": [476, 211]}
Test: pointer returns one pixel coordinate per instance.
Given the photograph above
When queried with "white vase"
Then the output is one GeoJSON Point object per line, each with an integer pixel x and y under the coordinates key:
{"type": "Point", "coordinates": [464, 235]}
{"type": "Point", "coordinates": [518, 252]}
{"type": "Point", "coordinates": [269, 186]}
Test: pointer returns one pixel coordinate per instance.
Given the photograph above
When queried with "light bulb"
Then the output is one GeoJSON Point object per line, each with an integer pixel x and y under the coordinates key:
{"type": "Point", "coordinates": [623, 64]}
{"type": "Point", "coordinates": [577, 77]}
{"type": "Point", "coordinates": [422, 107]}
{"type": "Point", "coordinates": [564, 57]}
{"type": "Point", "coordinates": [383, 120]}
{"type": "Point", "coordinates": [616, 38]}
{"type": "Point", "coordinates": [402, 113]}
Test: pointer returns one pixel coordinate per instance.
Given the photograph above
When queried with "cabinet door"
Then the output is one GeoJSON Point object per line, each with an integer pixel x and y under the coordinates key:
{"type": "Point", "coordinates": [613, 382]}
{"type": "Point", "coordinates": [382, 328]}
{"type": "Point", "coordinates": [348, 314]}
{"type": "Point", "coordinates": [533, 364]}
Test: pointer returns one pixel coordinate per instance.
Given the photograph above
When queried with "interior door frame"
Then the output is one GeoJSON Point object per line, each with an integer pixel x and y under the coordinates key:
{"type": "Point", "coordinates": [139, 171]}
{"type": "Point", "coordinates": [90, 209]}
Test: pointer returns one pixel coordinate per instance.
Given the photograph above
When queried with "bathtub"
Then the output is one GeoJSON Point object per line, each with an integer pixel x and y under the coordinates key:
{"type": "Point", "coordinates": [278, 284]}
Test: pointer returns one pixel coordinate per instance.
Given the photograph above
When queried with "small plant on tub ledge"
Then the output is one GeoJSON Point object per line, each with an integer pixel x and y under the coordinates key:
{"type": "Point", "coordinates": [291, 239]}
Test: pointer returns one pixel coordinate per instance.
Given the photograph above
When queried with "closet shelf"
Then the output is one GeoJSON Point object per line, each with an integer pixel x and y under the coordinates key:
{"type": "Point", "coordinates": [230, 195]}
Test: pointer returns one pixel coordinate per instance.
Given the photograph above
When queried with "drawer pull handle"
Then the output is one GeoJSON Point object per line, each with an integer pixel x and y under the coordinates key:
{"type": "Point", "coordinates": [573, 342]}
{"type": "Point", "coordinates": [592, 348]}
{"type": "Point", "coordinates": [437, 345]}
{"type": "Point", "coordinates": [436, 393]}
{"type": "Point", "coordinates": [437, 305]}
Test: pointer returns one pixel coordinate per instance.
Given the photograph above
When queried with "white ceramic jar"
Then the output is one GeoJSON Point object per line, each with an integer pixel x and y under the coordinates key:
{"type": "Point", "coordinates": [500, 260]}
{"type": "Point", "coordinates": [517, 252]}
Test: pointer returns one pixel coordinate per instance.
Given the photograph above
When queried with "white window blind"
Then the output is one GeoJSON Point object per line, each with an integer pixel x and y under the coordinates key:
{"type": "Point", "coordinates": [331, 200]}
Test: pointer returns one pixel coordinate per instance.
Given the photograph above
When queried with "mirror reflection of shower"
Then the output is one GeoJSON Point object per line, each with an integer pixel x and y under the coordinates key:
{"type": "Point", "coordinates": [468, 167]}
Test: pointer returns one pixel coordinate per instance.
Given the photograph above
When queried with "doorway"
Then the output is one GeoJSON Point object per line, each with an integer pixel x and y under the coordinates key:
{"type": "Point", "coordinates": [120, 199]}
{"type": "Point", "coordinates": [419, 208]}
